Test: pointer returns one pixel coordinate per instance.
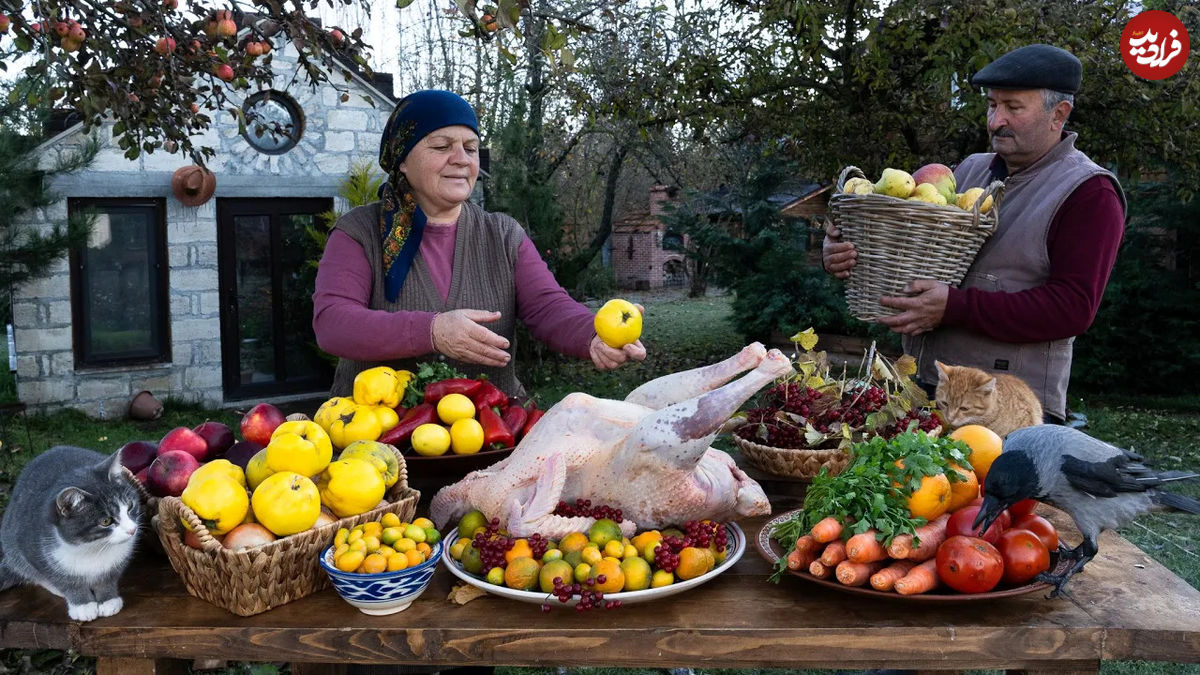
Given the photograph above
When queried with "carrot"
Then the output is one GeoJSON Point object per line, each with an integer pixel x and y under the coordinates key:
{"type": "Point", "coordinates": [820, 570]}
{"type": "Point", "coordinates": [902, 544]}
{"type": "Point", "coordinates": [851, 573]}
{"type": "Point", "coordinates": [920, 579]}
{"type": "Point", "coordinates": [886, 578]}
{"type": "Point", "coordinates": [806, 544]}
{"type": "Point", "coordinates": [797, 560]}
{"type": "Point", "coordinates": [834, 553]}
{"type": "Point", "coordinates": [931, 535]}
{"type": "Point", "coordinates": [827, 530]}
{"type": "Point", "coordinates": [865, 548]}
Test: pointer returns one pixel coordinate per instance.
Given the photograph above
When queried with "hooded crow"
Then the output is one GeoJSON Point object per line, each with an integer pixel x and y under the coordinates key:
{"type": "Point", "coordinates": [1099, 485]}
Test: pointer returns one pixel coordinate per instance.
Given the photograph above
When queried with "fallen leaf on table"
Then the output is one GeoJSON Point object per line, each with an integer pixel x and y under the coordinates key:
{"type": "Point", "coordinates": [464, 593]}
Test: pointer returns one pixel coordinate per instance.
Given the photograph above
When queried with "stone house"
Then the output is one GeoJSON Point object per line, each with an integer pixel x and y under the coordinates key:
{"type": "Point", "coordinates": [646, 254]}
{"type": "Point", "coordinates": [207, 303]}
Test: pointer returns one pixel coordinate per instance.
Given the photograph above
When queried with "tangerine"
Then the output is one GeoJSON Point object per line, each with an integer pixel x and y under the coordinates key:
{"type": "Point", "coordinates": [520, 549]}
{"type": "Point", "coordinates": [603, 531]}
{"type": "Point", "coordinates": [471, 521]}
{"type": "Point", "coordinates": [693, 562]}
{"type": "Point", "coordinates": [661, 578]}
{"type": "Point", "coordinates": [614, 576]}
{"type": "Point", "coordinates": [637, 574]}
{"type": "Point", "coordinates": [582, 570]}
{"type": "Point", "coordinates": [574, 541]}
{"type": "Point", "coordinates": [931, 499]}
{"type": "Point", "coordinates": [375, 563]}
{"type": "Point", "coordinates": [555, 569]}
{"type": "Point", "coordinates": [985, 447]}
{"type": "Point", "coordinates": [963, 491]}
{"type": "Point", "coordinates": [397, 561]}
{"type": "Point", "coordinates": [522, 573]}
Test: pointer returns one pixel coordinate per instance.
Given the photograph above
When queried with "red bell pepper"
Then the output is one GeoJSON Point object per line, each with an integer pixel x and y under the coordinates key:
{"type": "Point", "coordinates": [514, 417]}
{"type": "Point", "coordinates": [489, 395]}
{"type": "Point", "coordinates": [496, 433]}
{"type": "Point", "coordinates": [434, 391]}
{"type": "Point", "coordinates": [534, 416]}
{"type": "Point", "coordinates": [423, 413]}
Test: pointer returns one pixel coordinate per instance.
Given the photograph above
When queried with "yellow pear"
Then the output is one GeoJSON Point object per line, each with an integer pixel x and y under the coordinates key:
{"type": "Point", "coordinates": [967, 200]}
{"type": "Point", "coordinates": [927, 192]}
{"type": "Point", "coordinates": [895, 183]}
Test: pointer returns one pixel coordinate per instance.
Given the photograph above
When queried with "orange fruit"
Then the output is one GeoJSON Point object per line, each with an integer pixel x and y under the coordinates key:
{"type": "Point", "coordinates": [374, 563]}
{"type": "Point", "coordinates": [520, 549]}
{"type": "Point", "coordinates": [693, 562]}
{"type": "Point", "coordinates": [414, 557]}
{"type": "Point", "coordinates": [962, 492]}
{"type": "Point", "coordinates": [522, 573]}
{"type": "Point", "coordinates": [614, 576]}
{"type": "Point", "coordinates": [555, 569]}
{"type": "Point", "coordinates": [931, 499]}
{"type": "Point", "coordinates": [574, 541]}
{"type": "Point", "coordinates": [349, 561]}
{"type": "Point", "coordinates": [985, 447]}
{"type": "Point", "coordinates": [397, 561]}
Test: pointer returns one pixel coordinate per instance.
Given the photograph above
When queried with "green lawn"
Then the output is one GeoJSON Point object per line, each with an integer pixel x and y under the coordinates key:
{"type": "Point", "coordinates": [679, 334]}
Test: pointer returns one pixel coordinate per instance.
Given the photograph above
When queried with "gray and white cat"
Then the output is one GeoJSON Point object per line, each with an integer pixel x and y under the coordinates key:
{"type": "Point", "coordinates": [70, 527]}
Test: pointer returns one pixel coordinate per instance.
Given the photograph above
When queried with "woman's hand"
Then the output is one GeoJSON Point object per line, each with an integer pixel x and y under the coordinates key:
{"type": "Point", "coordinates": [459, 335]}
{"type": "Point", "coordinates": [837, 257]}
{"type": "Point", "coordinates": [607, 358]}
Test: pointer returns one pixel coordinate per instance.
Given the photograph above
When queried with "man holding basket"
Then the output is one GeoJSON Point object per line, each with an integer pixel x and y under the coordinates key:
{"type": "Point", "coordinates": [1038, 280]}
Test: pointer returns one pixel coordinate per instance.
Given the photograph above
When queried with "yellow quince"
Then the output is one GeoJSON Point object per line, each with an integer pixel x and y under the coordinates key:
{"type": "Point", "coordinates": [219, 467]}
{"type": "Point", "coordinates": [358, 424]}
{"type": "Point", "coordinates": [257, 469]}
{"type": "Point", "coordinates": [380, 455]}
{"type": "Point", "coordinates": [301, 446]}
{"type": "Point", "coordinates": [332, 409]}
{"type": "Point", "coordinates": [351, 486]}
{"type": "Point", "coordinates": [377, 386]}
{"type": "Point", "coordinates": [220, 502]}
{"type": "Point", "coordinates": [286, 503]}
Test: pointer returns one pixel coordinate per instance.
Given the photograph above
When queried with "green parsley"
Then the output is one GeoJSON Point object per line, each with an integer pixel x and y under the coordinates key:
{"type": "Point", "coordinates": [427, 371]}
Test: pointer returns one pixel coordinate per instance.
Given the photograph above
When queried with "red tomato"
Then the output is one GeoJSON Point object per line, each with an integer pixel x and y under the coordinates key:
{"type": "Point", "coordinates": [1005, 518]}
{"type": "Point", "coordinates": [961, 521]}
{"type": "Point", "coordinates": [1041, 527]}
{"type": "Point", "coordinates": [969, 564]}
{"type": "Point", "coordinates": [1022, 508]}
{"type": "Point", "coordinates": [1024, 554]}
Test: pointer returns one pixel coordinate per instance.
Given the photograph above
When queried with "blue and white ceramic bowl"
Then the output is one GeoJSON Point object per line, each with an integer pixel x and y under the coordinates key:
{"type": "Point", "coordinates": [385, 592]}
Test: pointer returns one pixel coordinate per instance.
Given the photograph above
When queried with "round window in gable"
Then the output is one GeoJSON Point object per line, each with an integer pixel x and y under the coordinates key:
{"type": "Point", "coordinates": [274, 122]}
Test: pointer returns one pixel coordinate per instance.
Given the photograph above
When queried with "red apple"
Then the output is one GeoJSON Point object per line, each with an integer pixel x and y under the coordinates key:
{"type": "Point", "coordinates": [247, 535]}
{"type": "Point", "coordinates": [76, 32]}
{"type": "Point", "coordinates": [226, 28]}
{"type": "Point", "coordinates": [940, 176]}
{"type": "Point", "coordinates": [4, 23]}
{"type": "Point", "coordinates": [192, 539]}
{"type": "Point", "coordinates": [217, 436]}
{"type": "Point", "coordinates": [141, 475]}
{"type": "Point", "coordinates": [170, 4]}
{"type": "Point", "coordinates": [252, 49]}
{"type": "Point", "coordinates": [264, 47]}
{"type": "Point", "coordinates": [61, 28]}
{"type": "Point", "coordinates": [224, 71]}
{"type": "Point", "coordinates": [210, 28]}
{"type": "Point", "coordinates": [337, 36]}
{"type": "Point", "coordinates": [186, 440]}
{"type": "Point", "coordinates": [169, 473]}
{"type": "Point", "coordinates": [241, 452]}
{"type": "Point", "coordinates": [258, 424]}
{"type": "Point", "coordinates": [137, 455]}
{"type": "Point", "coordinates": [165, 45]}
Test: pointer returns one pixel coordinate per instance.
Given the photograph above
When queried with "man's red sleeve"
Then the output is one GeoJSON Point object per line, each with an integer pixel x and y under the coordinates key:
{"type": "Point", "coordinates": [1082, 244]}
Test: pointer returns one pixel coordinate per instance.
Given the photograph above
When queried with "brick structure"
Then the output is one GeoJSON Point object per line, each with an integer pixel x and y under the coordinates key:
{"type": "Point", "coordinates": [639, 260]}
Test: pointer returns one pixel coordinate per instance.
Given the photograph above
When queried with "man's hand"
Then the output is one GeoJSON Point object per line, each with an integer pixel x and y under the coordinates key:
{"type": "Point", "coordinates": [837, 257]}
{"type": "Point", "coordinates": [459, 335]}
{"type": "Point", "coordinates": [608, 358]}
{"type": "Point", "coordinates": [921, 311]}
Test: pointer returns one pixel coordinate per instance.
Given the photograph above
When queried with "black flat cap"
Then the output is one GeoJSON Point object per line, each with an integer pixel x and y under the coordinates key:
{"type": "Point", "coordinates": [1033, 67]}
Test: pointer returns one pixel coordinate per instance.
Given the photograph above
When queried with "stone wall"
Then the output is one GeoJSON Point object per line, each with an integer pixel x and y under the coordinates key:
{"type": "Point", "coordinates": [336, 135]}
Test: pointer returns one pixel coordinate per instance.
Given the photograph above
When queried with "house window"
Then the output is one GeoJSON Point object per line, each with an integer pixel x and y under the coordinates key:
{"type": "Point", "coordinates": [119, 306]}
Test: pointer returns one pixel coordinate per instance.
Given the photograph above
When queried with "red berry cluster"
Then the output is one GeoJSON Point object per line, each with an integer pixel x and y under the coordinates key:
{"type": "Point", "coordinates": [853, 410]}
{"type": "Point", "coordinates": [582, 508]}
{"type": "Point", "coordinates": [700, 534]}
{"type": "Point", "coordinates": [538, 545]}
{"type": "Point", "coordinates": [812, 407]}
{"type": "Point", "coordinates": [588, 598]}
{"type": "Point", "coordinates": [793, 397]}
{"type": "Point", "coordinates": [492, 545]}
{"type": "Point", "coordinates": [925, 422]}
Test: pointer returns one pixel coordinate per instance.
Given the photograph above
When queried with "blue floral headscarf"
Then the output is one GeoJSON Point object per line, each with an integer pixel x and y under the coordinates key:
{"type": "Point", "coordinates": [401, 222]}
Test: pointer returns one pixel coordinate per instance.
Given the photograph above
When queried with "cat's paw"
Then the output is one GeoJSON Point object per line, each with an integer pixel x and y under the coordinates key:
{"type": "Point", "coordinates": [85, 612]}
{"type": "Point", "coordinates": [111, 606]}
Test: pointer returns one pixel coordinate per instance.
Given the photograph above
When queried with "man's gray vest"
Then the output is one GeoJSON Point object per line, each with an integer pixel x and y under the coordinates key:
{"type": "Point", "coordinates": [1015, 259]}
{"type": "Point", "coordinates": [485, 255]}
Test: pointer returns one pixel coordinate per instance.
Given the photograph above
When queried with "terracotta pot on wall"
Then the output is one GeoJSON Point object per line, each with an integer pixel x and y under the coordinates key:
{"type": "Point", "coordinates": [144, 406]}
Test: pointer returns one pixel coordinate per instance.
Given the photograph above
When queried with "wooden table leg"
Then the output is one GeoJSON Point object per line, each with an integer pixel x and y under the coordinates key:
{"type": "Point", "coordinates": [107, 665]}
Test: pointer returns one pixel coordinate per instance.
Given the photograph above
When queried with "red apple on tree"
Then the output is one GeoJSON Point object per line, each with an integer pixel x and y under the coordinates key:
{"type": "Point", "coordinates": [4, 23]}
{"type": "Point", "coordinates": [61, 28]}
{"type": "Point", "coordinates": [183, 439]}
{"type": "Point", "coordinates": [137, 455]}
{"type": "Point", "coordinates": [168, 474]}
{"type": "Point", "coordinates": [262, 420]}
{"type": "Point", "coordinates": [170, 4]}
{"type": "Point", "coordinates": [217, 436]}
{"type": "Point", "coordinates": [226, 28]}
{"type": "Point", "coordinates": [337, 36]}
{"type": "Point", "coordinates": [224, 71]}
{"type": "Point", "coordinates": [165, 45]}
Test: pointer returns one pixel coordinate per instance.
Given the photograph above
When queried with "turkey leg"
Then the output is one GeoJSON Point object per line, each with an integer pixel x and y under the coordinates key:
{"type": "Point", "coordinates": [681, 433]}
{"type": "Point", "coordinates": [678, 387]}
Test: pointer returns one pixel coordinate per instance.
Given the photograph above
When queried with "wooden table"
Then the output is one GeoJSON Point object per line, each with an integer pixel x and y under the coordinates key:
{"type": "Point", "coordinates": [1124, 606]}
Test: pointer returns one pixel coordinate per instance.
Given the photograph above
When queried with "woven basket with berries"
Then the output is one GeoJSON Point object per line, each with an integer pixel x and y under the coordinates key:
{"type": "Point", "coordinates": [807, 422]}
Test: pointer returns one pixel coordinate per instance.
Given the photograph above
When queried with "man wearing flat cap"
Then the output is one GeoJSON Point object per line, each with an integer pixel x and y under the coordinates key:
{"type": "Point", "coordinates": [1037, 282]}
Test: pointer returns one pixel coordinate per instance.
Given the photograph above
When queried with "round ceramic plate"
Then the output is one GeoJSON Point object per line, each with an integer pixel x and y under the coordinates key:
{"type": "Point", "coordinates": [772, 551]}
{"type": "Point", "coordinates": [735, 538]}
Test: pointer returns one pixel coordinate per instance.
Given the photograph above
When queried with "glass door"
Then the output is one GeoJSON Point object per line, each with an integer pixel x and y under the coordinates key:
{"type": "Point", "coordinates": [267, 343]}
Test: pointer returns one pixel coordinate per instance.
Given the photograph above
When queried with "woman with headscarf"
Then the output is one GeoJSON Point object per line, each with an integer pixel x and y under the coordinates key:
{"type": "Point", "coordinates": [423, 273]}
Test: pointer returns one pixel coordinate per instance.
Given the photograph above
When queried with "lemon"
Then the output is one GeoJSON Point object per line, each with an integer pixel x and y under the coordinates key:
{"type": "Point", "coordinates": [431, 440]}
{"type": "Point", "coordinates": [466, 436]}
{"type": "Point", "coordinates": [455, 407]}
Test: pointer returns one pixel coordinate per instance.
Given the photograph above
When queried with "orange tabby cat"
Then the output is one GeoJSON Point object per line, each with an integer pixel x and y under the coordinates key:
{"type": "Point", "coordinates": [1002, 403]}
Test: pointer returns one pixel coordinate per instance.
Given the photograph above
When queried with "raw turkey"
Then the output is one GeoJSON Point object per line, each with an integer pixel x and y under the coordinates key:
{"type": "Point", "coordinates": [648, 456]}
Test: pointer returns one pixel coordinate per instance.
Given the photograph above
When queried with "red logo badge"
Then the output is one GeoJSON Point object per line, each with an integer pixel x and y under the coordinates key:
{"type": "Point", "coordinates": [1155, 44]}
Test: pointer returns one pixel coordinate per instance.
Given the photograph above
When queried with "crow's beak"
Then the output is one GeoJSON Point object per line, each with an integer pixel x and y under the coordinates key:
{"type": "Point", "coordinates": [989, 511]}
